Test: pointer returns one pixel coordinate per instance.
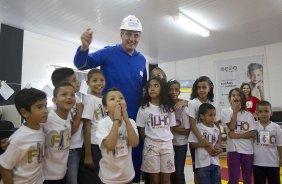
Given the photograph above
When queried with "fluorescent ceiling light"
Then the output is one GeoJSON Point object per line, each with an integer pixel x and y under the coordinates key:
{"type": "Point", "coordinates": [183, 20]}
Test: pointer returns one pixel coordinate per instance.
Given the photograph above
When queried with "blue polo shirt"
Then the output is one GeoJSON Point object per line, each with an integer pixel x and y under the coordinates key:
{"type": "Point", "coordinates": [121, 70]}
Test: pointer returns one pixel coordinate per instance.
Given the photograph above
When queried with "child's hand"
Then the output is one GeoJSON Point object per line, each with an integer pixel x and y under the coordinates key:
{"type": "Point", "coordinates": [4, 143]}
{"type": "Point", "coordinates": [79, 107]}
{"type": "Point", "coordinates": [88, 162]}
{"type": "Point", "coordinates": [180, 104]}
{"type": "Point", "coordinates": [204, 143]}
{"type": "Point", "coordinates": [210, 149]}
{"type": "Point", "coordinates": [218, 149]}
{"type": "Point", "coordinates": [124, 110]}
{"type": "Point", "coordinates": [217, 146]}
{"type": "Point", "coordinates": [117, 112]}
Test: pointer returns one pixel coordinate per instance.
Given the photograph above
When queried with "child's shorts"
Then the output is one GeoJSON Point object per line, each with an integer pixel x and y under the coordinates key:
{"type": "Point", "coordinates": [158, 156]}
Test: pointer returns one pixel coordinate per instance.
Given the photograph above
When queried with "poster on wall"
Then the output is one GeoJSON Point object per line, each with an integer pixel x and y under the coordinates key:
{"type": "Point", "coordinates": [186, 88]}
{"type": "Point", "coordinates": [232, 73]}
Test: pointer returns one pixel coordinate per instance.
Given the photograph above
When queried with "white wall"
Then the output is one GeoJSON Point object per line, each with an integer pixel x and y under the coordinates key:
{"type": "Point", "coordinates": [192, 68]}
{"type": "Point", "coordinates": [39, 53]}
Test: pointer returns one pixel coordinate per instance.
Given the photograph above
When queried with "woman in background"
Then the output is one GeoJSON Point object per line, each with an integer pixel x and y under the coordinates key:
{"type": "Point", "coordinates": [251, 101]}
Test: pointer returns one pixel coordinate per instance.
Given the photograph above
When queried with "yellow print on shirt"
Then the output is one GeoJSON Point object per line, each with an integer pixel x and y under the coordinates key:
{"type": "Point", "coordinates": [54, 139]}
{"type": "Point", "coordinates": [99, 112]}
{"type": "Point", "coordinates": [35, 154]}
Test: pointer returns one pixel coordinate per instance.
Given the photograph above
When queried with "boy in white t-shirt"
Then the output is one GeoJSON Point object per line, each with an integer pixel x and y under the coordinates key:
{"type": "Point", "coordinates": [92, 113]}
{"type": "Point", "coordinates": [67, 75]}
{"type": "Point", "coordinates": [207, 166]}
{"type": "Point", "coordinates": [267, 147]}
{"type": "Point", "coordinates": [22, 161]}
{"type": "Point", "coordinates": [58, 134]}
{"type": "Point", "coordinates": [116, 134]}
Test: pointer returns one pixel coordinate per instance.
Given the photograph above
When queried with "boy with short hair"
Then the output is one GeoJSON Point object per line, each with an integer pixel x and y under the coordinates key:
{"type": "Point", "coordinates": [23, 159]}
{"type": "Point", "coordinates": [93, 112]}
{"type": "Point", "coordinates": [207, 166]}
{"type": "Point", "coordinates": [58, 133]}
{"type": "Point", "coordinates": [67, 75]}
{"type": "Point", "coordinates": [267, 147]}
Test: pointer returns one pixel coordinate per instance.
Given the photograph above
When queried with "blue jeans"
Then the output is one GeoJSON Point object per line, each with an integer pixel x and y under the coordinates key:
{"type": "Point", "coordinates": [73, 165]}
{"type": "Point", "coordinates": [209, 175]}
{"type": "Point", "coordinates": [178, 176]}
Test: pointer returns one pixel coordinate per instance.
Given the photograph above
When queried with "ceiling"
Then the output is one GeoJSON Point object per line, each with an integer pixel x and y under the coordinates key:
{"type": "Point", "coordinates": [234, 24]}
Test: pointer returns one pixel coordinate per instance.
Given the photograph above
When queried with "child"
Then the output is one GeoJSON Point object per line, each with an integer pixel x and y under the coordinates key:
{"type": "Point", "coordinates": [68, 75]}
{"type": "Point", "coordinates": [92, 113]}
{"type": "Point", "coordinates": [240, 130]}
{"type": "Point", "coordinates": [202, 92]}
{"type": "Point", "coordinates": [155, 117]}
{"type": "Point", "coordinates": [268, 147]}
{"type": "Point", "coordinates": [23, 159]}
{"type": "Point", "coordinates": [157, 72]}
{"type": "Point", "coordinates": [180, 135]}
{"type": "Point", "coordinates": [255, 73]}
{"type": "Point", "coordinates": [58, 133]}
{"type": "Point", "coordinates": [207, 166]}
{"type": "Point", "coordinates": [116, 134]}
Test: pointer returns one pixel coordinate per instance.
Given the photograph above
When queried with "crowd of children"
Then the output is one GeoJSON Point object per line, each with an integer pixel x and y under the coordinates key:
{"type": "Point", "coordinates": [91, 142]}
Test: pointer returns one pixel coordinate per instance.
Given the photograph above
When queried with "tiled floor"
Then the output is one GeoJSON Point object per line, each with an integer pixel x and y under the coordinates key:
{"type": "Point", "coordinates": [189, 175]}
{"type": "Point", "coordinates": [224, 176]}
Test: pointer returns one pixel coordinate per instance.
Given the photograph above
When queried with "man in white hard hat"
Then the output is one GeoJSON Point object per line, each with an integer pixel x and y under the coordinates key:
{"type": "Point", "coordinates": [123, 67]}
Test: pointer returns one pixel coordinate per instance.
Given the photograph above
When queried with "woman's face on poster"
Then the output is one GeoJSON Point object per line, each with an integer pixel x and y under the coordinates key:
{"type": "Point", "coordinates": [256, 76]}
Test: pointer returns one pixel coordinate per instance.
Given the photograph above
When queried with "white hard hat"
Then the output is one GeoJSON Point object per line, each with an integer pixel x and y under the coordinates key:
{"type": "Point", "coordinates": [131, 23]}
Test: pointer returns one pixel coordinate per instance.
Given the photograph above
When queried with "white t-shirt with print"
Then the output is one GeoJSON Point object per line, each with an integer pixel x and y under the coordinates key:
{"type": "Point", "coordinates": [77, 137]}
{"type": "Point", "coordinates": [182, 121]}
{"type": "Point", "coordinates": [193, 109]}
{"type": "Point", "coordinates": [157, 123]}
{"type": "Point", "coordinates": [25, 155]}
{"type": "Point", "coordinates": [265, 146]}
{"type": "Point", "coordinates": [58, 135]}
{"type": "Point", "coordinates": [245, 123]}
{"type": "Point", "coordinates": [202, 157]}
{"type": "Point", "coordinates": [115, 169]}
{"type": "Point", "coordinates": [93, 110]}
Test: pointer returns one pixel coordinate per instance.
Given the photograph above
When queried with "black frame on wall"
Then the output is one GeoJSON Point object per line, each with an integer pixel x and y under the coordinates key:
{"type": "Point", "coordinates": [11, 51]}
